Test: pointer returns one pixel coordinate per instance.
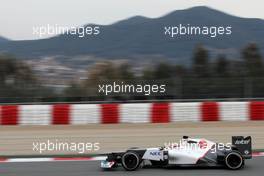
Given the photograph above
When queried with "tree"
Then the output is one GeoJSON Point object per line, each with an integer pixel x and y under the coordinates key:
{"type": "Point", "coordinates": [148, 73]}
{"type": "Point", "coordinates": [252, 61]}
{"type": "Point", "coordinates": [163, 71]}
{"type": "Point", "coordinates": [179, 70]}
{"type": "Point", "coordinates": [222, 66]}
{"type": "Point", "coordinates": [125, 72]}
{"type": "Point", "coordinates": [201, 66]}
{"type": "Point", "coordinates": [103, 73]}
{"type": "Point", "coordinates": [17, 79]}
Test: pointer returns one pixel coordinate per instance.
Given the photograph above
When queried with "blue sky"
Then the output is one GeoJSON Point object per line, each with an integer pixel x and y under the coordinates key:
{"type": "Point", "coordinates": [17, 17]}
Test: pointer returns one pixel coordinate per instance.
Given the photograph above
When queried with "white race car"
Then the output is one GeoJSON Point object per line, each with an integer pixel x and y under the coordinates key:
{"type": "Point", "coordinates": [188, 152]}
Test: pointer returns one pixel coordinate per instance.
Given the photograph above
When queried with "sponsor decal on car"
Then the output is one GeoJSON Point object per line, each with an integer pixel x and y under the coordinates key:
{"type": "Point", "coordinates": [202, 144]}
{"type": "Point", "coordinates": [155, 153]}
{"type": "Point", "coordinates": [242, 141]}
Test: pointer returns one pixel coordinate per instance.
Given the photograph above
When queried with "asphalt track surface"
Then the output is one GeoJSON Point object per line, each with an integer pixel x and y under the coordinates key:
{"type": "Point", "coordinates": [253, 167]}
{"type": "Point", "coordinates": [18, 140]}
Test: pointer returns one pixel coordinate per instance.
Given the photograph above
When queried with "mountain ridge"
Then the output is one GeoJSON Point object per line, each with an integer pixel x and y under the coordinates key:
{"type": "Point", "coordinates": [142, 37]}
{"type": "Point", "coordinates": [3, 39]}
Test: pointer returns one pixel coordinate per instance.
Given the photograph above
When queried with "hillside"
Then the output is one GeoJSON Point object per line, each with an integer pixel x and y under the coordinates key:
{"type": "Point", "coordinates": [3, 40]}
{"type": "Point", "coordinates": [141, 37]}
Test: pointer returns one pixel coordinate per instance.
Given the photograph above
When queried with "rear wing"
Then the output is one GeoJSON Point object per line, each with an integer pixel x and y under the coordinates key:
{"type": "Point", "coordinates": [243, 145]}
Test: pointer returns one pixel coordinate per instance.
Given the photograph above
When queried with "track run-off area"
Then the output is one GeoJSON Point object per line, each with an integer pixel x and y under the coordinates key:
{"type": "Point", "coordinates": [17, 141]}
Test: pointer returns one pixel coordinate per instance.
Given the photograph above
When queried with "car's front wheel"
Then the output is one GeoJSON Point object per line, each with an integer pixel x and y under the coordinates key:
{"type": "Point", "coordinates": [131, 161]}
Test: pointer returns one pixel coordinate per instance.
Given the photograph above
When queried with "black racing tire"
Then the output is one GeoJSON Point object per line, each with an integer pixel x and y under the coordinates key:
{"type": "Point", "coordinates": [234, 160]}
{"type": "Point", "coordinates": [131, 161]}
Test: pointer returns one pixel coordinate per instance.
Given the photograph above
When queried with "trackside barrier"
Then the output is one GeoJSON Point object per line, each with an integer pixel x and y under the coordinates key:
{"type": "Point", "coordinates": [129, 113]}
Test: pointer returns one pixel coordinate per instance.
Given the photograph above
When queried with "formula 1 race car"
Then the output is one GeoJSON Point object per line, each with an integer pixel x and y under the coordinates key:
{"type": "Point", "coordinates": [188, 152]}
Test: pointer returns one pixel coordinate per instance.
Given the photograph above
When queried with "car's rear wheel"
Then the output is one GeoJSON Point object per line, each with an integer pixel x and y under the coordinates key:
{"type": "Point", "coordinates": [131, 161]}
{"type": "Point", "coordinates": [234, 160]}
